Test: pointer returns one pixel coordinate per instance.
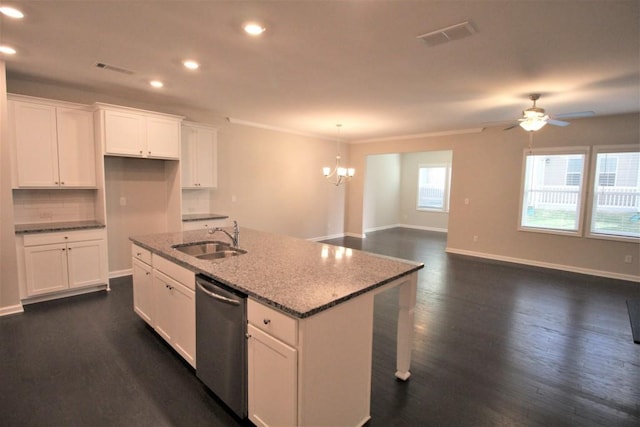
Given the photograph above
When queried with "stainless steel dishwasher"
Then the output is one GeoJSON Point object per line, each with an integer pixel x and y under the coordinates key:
{"type": "Point", "coordinates": [221, 345]}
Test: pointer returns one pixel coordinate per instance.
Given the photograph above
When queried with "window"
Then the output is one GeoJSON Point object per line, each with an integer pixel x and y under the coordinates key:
{"type": "Point", "coordinates": [615, 209]}
{"type": "Point", "coordinates": [433, 187]}
{"type": "Point", "coordinates": [552, 190]}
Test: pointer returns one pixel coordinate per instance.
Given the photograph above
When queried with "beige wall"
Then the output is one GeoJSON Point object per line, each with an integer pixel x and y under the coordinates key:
{"type": "Point", "coordinates": [382, 191]}
{"type": "Point", "coordinates": [9, 292]}
{"type": "Point", "coordinates": [487, 170]}
{"type": "Point", "coordinates": [409, 215]}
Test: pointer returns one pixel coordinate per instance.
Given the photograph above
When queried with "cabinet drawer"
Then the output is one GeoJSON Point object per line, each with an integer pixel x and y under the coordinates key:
{"type": "Point", "coordinates": [142, 254]}
{"type": "Point", "coordinates": [272, 322]}
{"type": "Point", "coordinates": [62, 237]}
{"type": "Point", "coordinates": [176, 272]}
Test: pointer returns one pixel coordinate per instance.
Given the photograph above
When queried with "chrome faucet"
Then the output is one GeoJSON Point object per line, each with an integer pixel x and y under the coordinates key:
{"type": "Point", "coordinates": [235, 239]}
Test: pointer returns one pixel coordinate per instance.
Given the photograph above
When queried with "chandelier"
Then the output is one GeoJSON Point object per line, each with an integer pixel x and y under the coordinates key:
{"type": "Point", "coordinates": [339, 174]}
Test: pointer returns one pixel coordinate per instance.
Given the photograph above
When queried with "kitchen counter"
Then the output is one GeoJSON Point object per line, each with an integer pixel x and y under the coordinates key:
{"type": "Point", "coordinates": [49, 227]}
{"type": "Point", "coordinates": [299, 277]}
{"type": "Point", "coordinates": [202, 217]}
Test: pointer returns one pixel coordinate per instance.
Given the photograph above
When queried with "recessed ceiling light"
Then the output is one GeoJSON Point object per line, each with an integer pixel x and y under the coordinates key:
{"type": "Point", "coordinates": [11, 12]}
{"type": "Point", "coordinates": [7, 50]}
{"type": "Point", "coordinates": [254, 28]}
{"type": "Point", "coordinates": [156, 83]}
{"type": "Point", "coordinates": [190, 64]}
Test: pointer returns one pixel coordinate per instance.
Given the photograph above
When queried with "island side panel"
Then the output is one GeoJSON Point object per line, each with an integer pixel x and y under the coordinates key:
{"type": "Point", "coordinates": [334, 382]}
{"type": "Point", "coordinates": [406, 307]}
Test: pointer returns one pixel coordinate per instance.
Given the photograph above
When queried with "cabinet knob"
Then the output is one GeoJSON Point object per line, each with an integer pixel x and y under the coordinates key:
{"type": "Point", "coordinates": [61, 182]}
{"type": "Point", "coordinates": [266, 321]}
{"type": "Point", "coordinates": [141, 152]}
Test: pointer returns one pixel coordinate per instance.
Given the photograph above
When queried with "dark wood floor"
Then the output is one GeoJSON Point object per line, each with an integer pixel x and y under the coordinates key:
{"type": "Point", "coordinates": [495, 344]}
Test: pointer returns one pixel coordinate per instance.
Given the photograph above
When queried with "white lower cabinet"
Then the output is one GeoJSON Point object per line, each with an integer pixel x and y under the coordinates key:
{"type": "Point", "coordinates": [272, 375]}
{"type": "Point", "coordinates": [64, 261]}
{"type": "Point", "coordinates": [314, 371]}
{"type": "Point", "coordinates": [164, 297]}
{"type": "Point", "coordinates": [142, 290]}
{"type": "Point", "coordinates": [175, 315]}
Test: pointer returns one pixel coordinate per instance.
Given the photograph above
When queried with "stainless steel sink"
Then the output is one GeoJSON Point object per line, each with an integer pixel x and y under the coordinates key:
{"type": "Point", "coordinates": [209, 250]}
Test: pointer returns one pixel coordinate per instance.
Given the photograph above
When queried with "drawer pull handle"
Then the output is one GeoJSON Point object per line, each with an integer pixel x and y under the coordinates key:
{"type": "Point", "coordinates": [266, 321]}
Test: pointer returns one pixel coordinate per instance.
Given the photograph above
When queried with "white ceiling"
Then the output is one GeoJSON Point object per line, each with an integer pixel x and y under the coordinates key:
{"type": "Point", "coordinates": [353, 62]}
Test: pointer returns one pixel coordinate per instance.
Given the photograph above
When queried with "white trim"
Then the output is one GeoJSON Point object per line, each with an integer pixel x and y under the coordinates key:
{"type": "Point", "coordinates": [11, 309]}
{"type": "Point", "coordinates": [420, 135]}
{"type": "Point", "coordinates": [569, 268]}
{"type": "Point", "coordinates": [65, 294]}
{"type": "Point", "coordinates": [356, 235]}
{"type": "Point", "coordinates": [120, 273]}
{"type": "Point", "coordinates": [329, 237]}
{"type": "Point", "coordinates": [424, 227]}
{"type": "Point", "coordinates": [383, 227]}
{"type": "Point", "coordinates": [235, 121]}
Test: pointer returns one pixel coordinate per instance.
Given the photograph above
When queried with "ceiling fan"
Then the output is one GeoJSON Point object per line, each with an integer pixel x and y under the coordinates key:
{"type": "Point", "coordinates": [535, 118]}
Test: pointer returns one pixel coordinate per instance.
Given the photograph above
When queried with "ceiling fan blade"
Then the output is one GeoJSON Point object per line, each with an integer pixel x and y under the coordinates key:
{"type": "Point", "coordinates": [576, 115]}
{"type": "Point", "coordinates": [512, 126]}
{"type": "Point", "coordinates": [557, 122]}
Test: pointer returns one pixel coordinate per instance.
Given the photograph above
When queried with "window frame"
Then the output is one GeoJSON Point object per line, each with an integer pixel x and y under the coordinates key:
{"type": "Point", "coordinates": [447, 187]}
{"type": "Point", "coordinates": [582, 196]}
{"type": "Point", "coordinates": [590, 202]}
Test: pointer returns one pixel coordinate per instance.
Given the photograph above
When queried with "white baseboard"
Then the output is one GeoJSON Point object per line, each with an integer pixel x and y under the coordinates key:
{"type": "Point", "coordinates": [331, 236]}
{"type": "Point", "coordinates": [356, 235]}
{"type": "Point", "coordinates": [425, 228]}
{"type": "Point", "coordinates": [11, 309]}
{"type": "Point", "coordinates": [120, 273]}
{"type": "Point", "coordinates": [383, 227]}
{"type": "Point", "coordinates": [569, 268]}
{"type": "Point", "coordinates": [65, 294]}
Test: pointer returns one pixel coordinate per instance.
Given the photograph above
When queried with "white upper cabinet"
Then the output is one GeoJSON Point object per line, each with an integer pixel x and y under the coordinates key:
{"type": "Point", "coordinates": [53, 145]}
{"type": "Point", "coordinates": [137, 133]}
{"type": "Point", "coordinates": [199, 160]}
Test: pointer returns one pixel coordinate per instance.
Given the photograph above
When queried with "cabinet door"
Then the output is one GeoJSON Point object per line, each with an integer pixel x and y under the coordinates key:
{"type": "Point", "coordinates": [183, 302]}
{"type": "Point", "coordinates": [188, 155]}
{"type": "Point", "coordinates": [35, 144]}
{"type": "Point", "coordinates": [272, 375]}
{"type": "Point", "coordinates": [76, 148]}
{"type": "Point", "coordinates": [206, 160]}
{"type": "Point", "coordinates": [125, 133]}
{"type": "Point", "coordinates": [142, 291]}
{"type": "Point", "coordinates": [163, 313]}
{"type": "Point", "coordinates": [163, 138]}
{"type": "Point", "coordinates": [174, 317]}
{"type": "Point", "coordinates": [46, 268]}
{"type": "Point", "coordinates": [87, 263]}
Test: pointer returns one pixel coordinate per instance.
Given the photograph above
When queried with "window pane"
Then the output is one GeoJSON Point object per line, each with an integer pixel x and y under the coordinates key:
{"type": "Point", "coordinates": [552, 191]}
{"type": "Point", "coordinates": [616, 202]}
{"type": "Point", "coordinates": [431, 187]}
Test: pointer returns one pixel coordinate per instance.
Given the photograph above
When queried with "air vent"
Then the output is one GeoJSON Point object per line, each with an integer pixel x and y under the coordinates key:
{"type": "Point", "coordinates": [104, 66]}
{"type": "Point", "coordinates": [447, 34]}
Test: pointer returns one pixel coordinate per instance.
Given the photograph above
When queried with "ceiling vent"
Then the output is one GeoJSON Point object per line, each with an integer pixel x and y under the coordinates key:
{"type": "Point", "coordinates": [447, 34]}
{"type": "Point", "coordinates": [104, 66]}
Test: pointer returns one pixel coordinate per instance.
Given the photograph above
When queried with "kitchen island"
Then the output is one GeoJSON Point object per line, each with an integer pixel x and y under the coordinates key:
{"type": "Point", "coordinates": [314, 301]}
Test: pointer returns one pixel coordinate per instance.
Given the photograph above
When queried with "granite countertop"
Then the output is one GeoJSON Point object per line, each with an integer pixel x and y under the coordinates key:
{"type": "Point", "coordinates": [296, 276]}
{"type": "Point", "coordinates": [49, 227]}
{"type": "Point", "coordinates": [202, 216]}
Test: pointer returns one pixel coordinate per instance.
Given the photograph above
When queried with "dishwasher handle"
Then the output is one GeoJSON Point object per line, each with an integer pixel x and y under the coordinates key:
{"type": "Point", "coordinates": [216, 296]}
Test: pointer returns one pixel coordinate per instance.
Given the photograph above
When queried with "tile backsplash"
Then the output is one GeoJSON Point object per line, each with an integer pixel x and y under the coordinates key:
{"type": "Point", "coordinates": [196, 201]}
{"type": "Point", "coordinates": [41, 206]}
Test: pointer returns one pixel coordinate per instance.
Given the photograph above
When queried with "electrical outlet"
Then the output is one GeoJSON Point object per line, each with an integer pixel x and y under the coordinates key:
{"type": "Point", "coordinates": [475, 238]}
{"type": "Point", "coordinates": [123, 201]}
{"type": "Point", "coordinates": [628, 259]}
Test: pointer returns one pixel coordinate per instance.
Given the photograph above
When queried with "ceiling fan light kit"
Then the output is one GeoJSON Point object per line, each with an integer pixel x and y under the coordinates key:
{"type": "Point", "coordinates": [535, 118]}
